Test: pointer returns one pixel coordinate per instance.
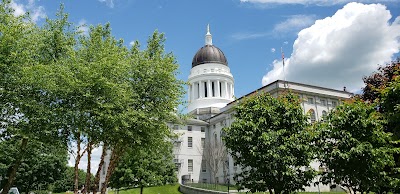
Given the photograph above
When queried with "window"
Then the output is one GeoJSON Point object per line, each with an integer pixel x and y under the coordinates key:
{"type": "Point", "coordinates": [189, 128]}
{"type": "Point", "coordinates": [204, 180]}
{"type": "Point", "coordinates": [310, 100]}
{"type": "Point", "coordinates": [312, 115]}
{"type": "Point", "coordinates": [323, 102]}
{"type": "Point", "coordinates": [104, 168]}
{"type": "Point", "coordinates": [334, 103]}
{"type": "Point", "coordinates": [205, 90]}
{"type": "Point", "coordinates": [324, 114]}
{"type": "Point", "coordinates": [176, 127]}
{"type": "Point", "coordinates": [203, 166]}
{"type": "Point", "coordinates": [203, 142]}
{"type": "Point", "coordinates": [213, 126]}
{"type": "Point", "coordinates": [215, 138]}
{"type": "Point", "coordinates": [190, 142]}
{"type": "Point", "coordinates": [190, 165]}
{"type": "Point", "coordinates": [203, 129]}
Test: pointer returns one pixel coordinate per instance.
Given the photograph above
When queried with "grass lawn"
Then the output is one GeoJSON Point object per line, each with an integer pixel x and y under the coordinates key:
{"type": "Point", "coordinates": [167, 189]}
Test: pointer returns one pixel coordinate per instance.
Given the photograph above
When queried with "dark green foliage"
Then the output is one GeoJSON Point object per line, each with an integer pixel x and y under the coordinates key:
{"type": "Point", "coordinates": [355, 148]}
{"type": "Point", "coordinates": [269, 141]}
{"type": "Point", "coordinates": [41, 168]}
{"type": "Point", "coordinates": [66, 182]}
{"type": "Point", "coordinates": [143, 167]}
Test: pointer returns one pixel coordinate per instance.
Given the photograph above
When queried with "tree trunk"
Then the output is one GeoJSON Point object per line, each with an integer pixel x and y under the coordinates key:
{"type": "Point", "coordinates": [77, 160]}
{"type": "Point", "coordinates": [115, 155]}
{"type": "Point", "coordinates": [97, 178]}
{"type": "Point", "coordinates": [13, 170]}
{"type": "Point", "coordinates": [88, 174]}
{"type": "Point", "coordinates": [270, 191]}
{"type": "Point", "coordinates": [141, 189]}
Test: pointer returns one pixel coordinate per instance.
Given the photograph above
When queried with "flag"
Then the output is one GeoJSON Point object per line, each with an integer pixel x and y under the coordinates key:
{"type": "Point", "coordinates": [283, 57]}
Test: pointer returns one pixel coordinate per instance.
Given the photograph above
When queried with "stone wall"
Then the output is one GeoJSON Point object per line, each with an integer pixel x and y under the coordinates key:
{"type": "Point", "coordinates": [192, 190]}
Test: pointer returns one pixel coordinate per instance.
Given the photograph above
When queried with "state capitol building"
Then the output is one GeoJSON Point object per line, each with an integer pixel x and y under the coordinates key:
{"type": "Point", "coordinates": [211, 100]}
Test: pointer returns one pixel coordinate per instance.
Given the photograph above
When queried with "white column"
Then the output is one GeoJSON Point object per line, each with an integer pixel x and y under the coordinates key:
{"type": "Point", "coordinates": [231, 91]}
{"type": "Point", "coordinates": [201, 85]}
{"type": "Point", "coordinates": [209, 88]}
{"type": "Point", "coordinates": [226, 89]}
{"type": "Point", "coordinates": [189, 93]}
{"type": "Point", "coordinates": [192, 95]}
{"type": "Point", "coordinates": [218, 93]}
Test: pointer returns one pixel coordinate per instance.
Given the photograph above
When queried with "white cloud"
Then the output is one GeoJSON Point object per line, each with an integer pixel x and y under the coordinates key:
{"type": "Point", "coordinates": [19, 9]}
{"type": "Point", "coordinates": [294, 23]}
{"type": "Point", "coordinates": [286, 42]}
{"type": "Point", "coordinates": [338, 51]}
{"type": "Point", "coordinates": [109, 3]}
{"type": "Point", "coordinates": [82, 26]}
{"type": "Point", "coordinates": [272, 50]}
{"type": "Point", "coordinates": [245, 36]}
{"type": "Point", "coordinates": [310, 2]}
{"type": "Point", "coordinates": [35, 12]}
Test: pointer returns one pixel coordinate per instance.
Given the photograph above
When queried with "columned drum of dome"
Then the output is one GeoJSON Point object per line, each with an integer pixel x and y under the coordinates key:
{"type": "Point", "coordinates": [210, 79]}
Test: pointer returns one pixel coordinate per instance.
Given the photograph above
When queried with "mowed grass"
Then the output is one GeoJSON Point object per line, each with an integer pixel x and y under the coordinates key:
{"type": "Point", "coordinates": [166, 189]}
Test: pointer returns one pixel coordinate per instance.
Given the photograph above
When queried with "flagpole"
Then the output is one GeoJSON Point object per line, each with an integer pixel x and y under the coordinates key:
{"type": "Point", "coordinates": [283, 67]}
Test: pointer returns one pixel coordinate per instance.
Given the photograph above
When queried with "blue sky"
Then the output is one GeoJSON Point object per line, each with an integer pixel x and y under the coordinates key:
{"type": "Point", "coordinates": [330, 43]}
{"type": "Point", "coordinates": [247, 31]}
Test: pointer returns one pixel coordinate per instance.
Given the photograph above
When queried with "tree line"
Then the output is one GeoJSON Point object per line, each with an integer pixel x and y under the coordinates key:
{"type": "Point", "coordinates": [63, 90]}
{"type": "Point", "coordinates": [356, 144]}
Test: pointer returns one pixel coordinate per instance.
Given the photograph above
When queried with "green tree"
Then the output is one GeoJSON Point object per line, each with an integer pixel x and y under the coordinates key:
{"type": "Point", "coordinates": [355, 148]}
{"type": "Point", "coordinates": [269, 141]}
{"type": "Point", "coordinates": [45, 164]}
{"type": "Point", "coordinates": [142, 167]}
{"type": "Point", "coordinates": [25, 98]}
{"type": "Point", "coordinates": [67, 181]}
{"type": "Point", "coordinates": [154, 93]}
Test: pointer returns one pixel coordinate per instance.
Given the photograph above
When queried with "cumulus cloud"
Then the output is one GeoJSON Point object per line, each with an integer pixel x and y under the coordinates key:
{"type": "Point", "coordinates": [294, 23]}
{"type": "Point", "coordinates": [339, 50]}
{"type": "Point", "coordinates": [82, 26]}
{"type": "Point", "coordinates": [309, 2]}
{"type": "Point", "coordinates": [35, 12]}
{"type": "Point", "coordinates": [272, 50]}
{"type": "Point", "coordinates": [109, 3]}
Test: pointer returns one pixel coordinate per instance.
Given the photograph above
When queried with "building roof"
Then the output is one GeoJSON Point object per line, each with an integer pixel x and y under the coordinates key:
{"type": "Point", "coordinates": [209, 54]}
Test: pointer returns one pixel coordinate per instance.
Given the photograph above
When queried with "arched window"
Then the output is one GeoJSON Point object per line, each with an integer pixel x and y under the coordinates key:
{"type": "Point", "coordinates": [312, 115]}
{"type": "Point", "coordinates": [324, 114]}
{"type": "Point", "coordinates": [215, 138]}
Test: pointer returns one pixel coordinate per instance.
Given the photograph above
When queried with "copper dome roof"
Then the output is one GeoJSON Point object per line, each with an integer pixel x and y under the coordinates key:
{"type": "Point", "coordinates": [209, 54]}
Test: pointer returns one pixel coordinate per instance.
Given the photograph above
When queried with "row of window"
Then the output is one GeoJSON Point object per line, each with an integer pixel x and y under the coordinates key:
{"type": "Point", "coordinates": [203, 165]}
{"type": "Point", "coordinates": [190, 142]}
{"type": "Point", "coordinates": [189, 128]}
{"type": "Point", "coordinates": [313, 117]}
{"type": "Point", "coordinates": [323, 102]}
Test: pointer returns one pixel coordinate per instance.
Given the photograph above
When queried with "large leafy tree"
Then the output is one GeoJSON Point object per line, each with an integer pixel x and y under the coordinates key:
{"type": "Point", "coordinates": [377, 81]}
{"type": "Point", "coordinates": [142, 167]}
{"type": "Point", "coordinates": [67, 181]}
{"type": "Point", "coordinates": [382, 88]}
{"type": "Point", "coordinates": [355, 148]}
{"type": "Point", "coordinates": [45, 164]}
{"type": "Point", "coordinates": [27, 58]}
{"type": "Point", "coordinates": [269, 141]}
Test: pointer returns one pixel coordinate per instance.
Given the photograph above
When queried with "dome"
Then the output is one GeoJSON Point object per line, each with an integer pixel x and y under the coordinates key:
{"type": "Point", "coordinates": [209, 54]}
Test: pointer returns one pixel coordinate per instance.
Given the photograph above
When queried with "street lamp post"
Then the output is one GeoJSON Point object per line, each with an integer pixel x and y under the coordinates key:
{"type": "Point", "coordinates": [227, 164]}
